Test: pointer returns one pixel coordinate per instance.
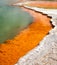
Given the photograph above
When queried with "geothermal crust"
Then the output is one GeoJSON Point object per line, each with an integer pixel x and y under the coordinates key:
{"type": "Point", "coordinates": [46, 52]}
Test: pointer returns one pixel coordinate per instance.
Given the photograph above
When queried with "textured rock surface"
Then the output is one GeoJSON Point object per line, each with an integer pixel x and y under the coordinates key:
{"type": "Point", "coordinates": [46, 52]}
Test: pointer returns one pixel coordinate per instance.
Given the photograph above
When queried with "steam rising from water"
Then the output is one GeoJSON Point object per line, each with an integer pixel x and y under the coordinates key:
{"type": "Point", "coordinates": [8, 2]}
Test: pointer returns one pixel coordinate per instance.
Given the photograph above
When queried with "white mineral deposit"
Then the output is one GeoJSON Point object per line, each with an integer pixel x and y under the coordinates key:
{"type": "Point", "coordinates": [46, 52]}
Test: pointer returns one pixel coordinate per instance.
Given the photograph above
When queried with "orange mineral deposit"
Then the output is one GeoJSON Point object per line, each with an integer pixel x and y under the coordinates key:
{"type": "Point", "coordinates": [27, 39]}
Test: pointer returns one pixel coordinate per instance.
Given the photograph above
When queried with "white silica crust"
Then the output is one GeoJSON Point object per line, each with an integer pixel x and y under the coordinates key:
{"type": "Point", "coordinates": [46, 52]}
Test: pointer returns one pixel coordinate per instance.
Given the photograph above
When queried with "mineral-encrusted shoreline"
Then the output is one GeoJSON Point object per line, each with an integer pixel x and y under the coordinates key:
{"type": "Point", "coordinates": [46, 52]}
